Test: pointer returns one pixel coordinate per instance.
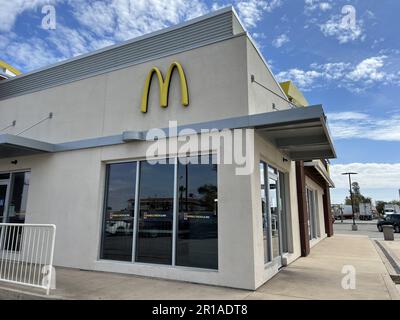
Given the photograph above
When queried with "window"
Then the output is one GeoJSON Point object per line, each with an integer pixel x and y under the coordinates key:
{"type": "Point", "coordinates": [312, 208]}
{"type": "Point", "coordinates": [184, 192]}
{"type": "Point", "coordinates": [156, 194]}
{"type": "Point", "coordinates": [119, 212]}
{"type": "Point", "coordinates": [197, 239]}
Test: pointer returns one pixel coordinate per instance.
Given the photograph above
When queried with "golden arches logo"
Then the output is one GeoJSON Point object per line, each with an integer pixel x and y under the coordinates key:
{"type": "Point", "coordinates": [163, 86]}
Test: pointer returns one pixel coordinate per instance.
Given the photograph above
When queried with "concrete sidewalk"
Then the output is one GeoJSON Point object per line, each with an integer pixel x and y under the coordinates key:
{"type": "Point", "coordinates": [317, 276]}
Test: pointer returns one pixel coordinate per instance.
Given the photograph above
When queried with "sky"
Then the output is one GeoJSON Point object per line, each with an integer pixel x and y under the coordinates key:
{"type": "Point", "coordinates": [344, 55]}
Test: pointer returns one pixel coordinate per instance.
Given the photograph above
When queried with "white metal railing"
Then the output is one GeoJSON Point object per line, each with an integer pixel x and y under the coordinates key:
{"type": "Point", "coordinates": [26, 254]}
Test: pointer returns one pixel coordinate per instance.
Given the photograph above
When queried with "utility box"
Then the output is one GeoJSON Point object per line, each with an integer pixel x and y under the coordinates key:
{"type": "Point", "coordinates": [388, 233]}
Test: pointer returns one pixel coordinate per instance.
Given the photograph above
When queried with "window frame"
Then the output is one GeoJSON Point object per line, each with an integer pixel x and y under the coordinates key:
{"type": "Point", "coordinates": [173, 159]}
{"type": "Point", "coordinates": [9, 183]}
{"type": "Point", "coordinates": [274, 172]}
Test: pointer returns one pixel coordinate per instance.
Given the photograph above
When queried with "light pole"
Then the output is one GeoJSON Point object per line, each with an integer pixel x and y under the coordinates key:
{"type": "Point", "coordinates": [354, 226]}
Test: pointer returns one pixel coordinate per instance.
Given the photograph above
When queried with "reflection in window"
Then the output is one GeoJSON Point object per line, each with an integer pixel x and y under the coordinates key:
{"type": "Point", "coordinates": [265, 222]}
{"type": "Point", "coordinates": [197, 239]}
{"type": "Point", "coordinates": [119, 212]}
{"type": "Point", "coordinates": [156, 194]}
{"type": "Point", "coordinates": [283, 213]}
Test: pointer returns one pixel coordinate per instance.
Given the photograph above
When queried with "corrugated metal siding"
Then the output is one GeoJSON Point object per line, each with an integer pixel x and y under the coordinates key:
{"type": "Point", "coordinates": [199, 33]}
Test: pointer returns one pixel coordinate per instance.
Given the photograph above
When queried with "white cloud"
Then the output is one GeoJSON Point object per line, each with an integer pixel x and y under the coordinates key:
{"type": "Point", "coordinates": [280, 40]}
{"type": "Point", "coordinates": [312, 5]}
{"type": "Point", "coordinates": [347, 116]}
{"type": "Point", "coordinates": [303, 79]}
{"type": "Point", "coordinates": [358, 78]}
{"type": "Point", "coordinates": [125, 19]}
{"type": "Point", "coordinates": [343, 32]}
{"type": "Point", "coordinates": [251, 11]}
{"type": "Point", "coordinates": [370, 175]}
{"type": "Point", "coordinates": [31, 54]}
{"type": "Point", "coordinates": [369, 70]}
{"type": "Point", "coordinates": [101, 23]}
{"type": "Point", "coordinates": [350, 125]}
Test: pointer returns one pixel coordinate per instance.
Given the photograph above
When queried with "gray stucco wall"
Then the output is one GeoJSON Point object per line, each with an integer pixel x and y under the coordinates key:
{"type": "Point", "coordinates": [260, 99]}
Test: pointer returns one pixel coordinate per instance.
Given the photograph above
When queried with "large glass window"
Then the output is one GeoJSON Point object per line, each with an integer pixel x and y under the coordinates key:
{"type": "Point", "coordinates": [156, 193]}
{"type": "Point", "coordinates": [172, 208]}
{"type": "Point", "coordinates": [197, 239]}
{"type": "Point", "coordinates": [119, 212]}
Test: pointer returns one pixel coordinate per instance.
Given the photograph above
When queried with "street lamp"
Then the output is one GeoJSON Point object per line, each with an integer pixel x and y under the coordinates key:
{"type": "Point", "coordinates": [354, 226]}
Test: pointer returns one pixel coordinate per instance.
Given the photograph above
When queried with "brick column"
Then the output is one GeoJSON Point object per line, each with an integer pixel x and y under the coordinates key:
{"type": "Point", "coordinates": [327, 211]}
{"type": "Point", "coordinates": [302, 204]}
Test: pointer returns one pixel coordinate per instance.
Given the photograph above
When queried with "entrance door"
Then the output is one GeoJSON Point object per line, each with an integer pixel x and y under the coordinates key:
{"type": "Point", "coordinates": [275, 215]}
{"type": "Point", "coordinates": [3, 200]}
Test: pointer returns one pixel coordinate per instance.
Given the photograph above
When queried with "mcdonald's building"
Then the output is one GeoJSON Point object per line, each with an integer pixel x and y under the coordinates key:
{"type": "Point", "coordinates": [74, 151]}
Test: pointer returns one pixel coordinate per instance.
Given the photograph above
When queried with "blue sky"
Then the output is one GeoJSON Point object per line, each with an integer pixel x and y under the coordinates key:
{"type": "Point", "coordinates": [353, 70]}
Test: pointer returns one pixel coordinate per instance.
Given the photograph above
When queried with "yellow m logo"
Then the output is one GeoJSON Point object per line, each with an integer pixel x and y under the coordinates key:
{"type": "Point", "coordinates": [164, 86]}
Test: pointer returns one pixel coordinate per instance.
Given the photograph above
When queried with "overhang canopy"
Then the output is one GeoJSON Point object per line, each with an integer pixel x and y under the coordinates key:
{"type": "Point", "coordinates": [300, 133]}
{"type": "Point", "coordinates": [15, 146]}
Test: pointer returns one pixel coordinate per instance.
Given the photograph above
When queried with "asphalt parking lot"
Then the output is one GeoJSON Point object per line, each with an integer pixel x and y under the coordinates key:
{"type": "Point", "coordinates": [367, 228]}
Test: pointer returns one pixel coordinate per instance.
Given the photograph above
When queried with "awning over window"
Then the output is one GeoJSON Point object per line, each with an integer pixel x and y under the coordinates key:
{"type": "Point", "coordinates": [301, 133]}
{"type": "Point", "coordinates": [15, 146]}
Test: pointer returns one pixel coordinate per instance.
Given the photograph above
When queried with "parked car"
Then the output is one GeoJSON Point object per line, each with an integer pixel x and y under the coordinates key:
{"type": "Point", "coordinates": [391, 209]}
{"type": "Point", "coordinates": [391, 219]}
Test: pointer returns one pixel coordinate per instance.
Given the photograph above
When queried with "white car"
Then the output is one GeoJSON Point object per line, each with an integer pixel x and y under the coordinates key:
{"type": "Point", "coordinates": [117, 227]}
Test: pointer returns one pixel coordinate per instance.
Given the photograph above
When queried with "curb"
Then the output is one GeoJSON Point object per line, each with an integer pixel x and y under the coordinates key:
{"type": "Point", "coordinates": [392, 276]}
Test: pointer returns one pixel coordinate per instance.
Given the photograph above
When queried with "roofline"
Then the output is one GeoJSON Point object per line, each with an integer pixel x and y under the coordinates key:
{"type": "Point", "coordinates": [142, 37]}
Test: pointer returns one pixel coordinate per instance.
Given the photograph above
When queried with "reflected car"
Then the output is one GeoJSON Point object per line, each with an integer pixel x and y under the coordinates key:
{"type": "Point", "coordinates": [118, 227]}
{"type": "Point", "coordinates": [390, 220]}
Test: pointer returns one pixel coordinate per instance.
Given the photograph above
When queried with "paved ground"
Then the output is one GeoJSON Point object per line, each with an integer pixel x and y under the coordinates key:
{"type": "Point", "coordinates": [367, 228]}
{"type": "Point", "coordinates": [318, 276]}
